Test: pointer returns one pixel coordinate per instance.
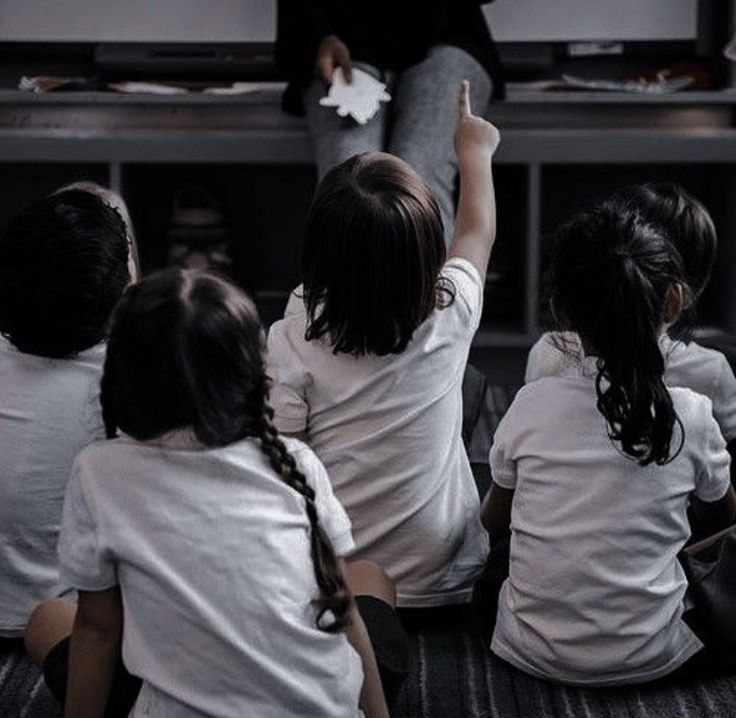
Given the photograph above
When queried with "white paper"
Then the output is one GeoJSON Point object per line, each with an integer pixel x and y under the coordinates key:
{"type": "Point", "coordinates": [361, 99]}
{"type": "Point", "coordinates": [730, 50]}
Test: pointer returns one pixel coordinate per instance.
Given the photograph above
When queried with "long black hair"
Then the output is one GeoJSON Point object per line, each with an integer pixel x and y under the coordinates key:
{"type": "Point", "coordinates": [611, 279]}
{"type": "Point", "coordinates": [371, 257]}
{"type": "Point", "coordinates": [63, 268]}
{"type": "Point", "coordinates": [186, 350]}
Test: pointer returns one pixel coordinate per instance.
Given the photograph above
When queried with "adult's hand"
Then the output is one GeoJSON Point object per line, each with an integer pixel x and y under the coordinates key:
{"type": "Point", "coordinates": [331, 54]}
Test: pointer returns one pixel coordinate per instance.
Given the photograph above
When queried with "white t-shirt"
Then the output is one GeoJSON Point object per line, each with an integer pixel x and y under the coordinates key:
{"type": "Point", "coordinates": [388, 430]}
{"type": "Point", "coordinates": [594, 594]}
{"type": "Point", "coordinates": [49, 410]}
{"type": "Point", "coordinates": [692, 366]}
{"type": "Point", "coordinates": [212, 554]}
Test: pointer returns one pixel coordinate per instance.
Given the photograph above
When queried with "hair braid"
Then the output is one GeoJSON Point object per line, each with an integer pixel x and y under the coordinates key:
{"type": "Point", "coordinates": [335, 595]}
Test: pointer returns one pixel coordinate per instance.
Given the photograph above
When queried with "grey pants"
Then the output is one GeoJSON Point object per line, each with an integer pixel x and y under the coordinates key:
{"type": "Point", "coordinates": [418, 124]}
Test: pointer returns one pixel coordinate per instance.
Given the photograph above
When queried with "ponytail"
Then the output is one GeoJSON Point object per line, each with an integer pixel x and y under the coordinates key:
{"type": "Point", "coordinates": [611, 278]}
{"type": "Point", "coordinates": [335, 597]}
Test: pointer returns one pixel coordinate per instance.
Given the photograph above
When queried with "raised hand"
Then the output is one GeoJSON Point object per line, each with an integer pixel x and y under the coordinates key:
{"type": "Point", "coordinates": [475, 225]}
{"type": "Point", "coordinates": [475, 138]}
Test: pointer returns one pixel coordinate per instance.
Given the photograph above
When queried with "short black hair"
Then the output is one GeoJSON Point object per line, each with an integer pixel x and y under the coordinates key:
{"type": "Point", "coordinates": [63, 268]}
{"type": "Point", "coordinates": [685, 221]}
{"type": "Point", "coordinates": [372, 255]}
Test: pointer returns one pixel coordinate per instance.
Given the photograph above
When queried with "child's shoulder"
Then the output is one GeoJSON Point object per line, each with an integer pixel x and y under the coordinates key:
{"type": "Point", "coordinates": [292, 325]}
{"type": "Point", "coordinates": [680, 351]}
{"type": "Point", "coordinates": [692, 365]}
{"type": "Point", "coordinates": [551, 354]}
{"type": "Point", "coordinates": [691, 406]}
{"type": "Point", "coordinates": [539, 396]}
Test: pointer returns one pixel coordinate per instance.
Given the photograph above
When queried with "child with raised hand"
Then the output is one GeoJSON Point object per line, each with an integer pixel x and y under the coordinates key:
{"type": "Point", "coordinates": [593, 467]}
{"type": "Point", "coordinates": [368, 362]}
{"type": "Point", "coordinates": [688, 225]}
{"type": "Point", "coordinates": [219, 542]}
{"type": "Point", "coordinates": [63, 267]}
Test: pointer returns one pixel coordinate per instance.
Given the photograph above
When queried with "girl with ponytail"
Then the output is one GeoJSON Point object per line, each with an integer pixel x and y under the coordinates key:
{"type": "Point", "coordinates": [217, 539]}
{"type": "Point", "coordinates": [593, 468]}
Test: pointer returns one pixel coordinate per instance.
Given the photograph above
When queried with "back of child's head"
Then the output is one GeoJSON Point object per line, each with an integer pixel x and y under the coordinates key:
{"type": "Point", "coordinates": [114, 200]}
{"type": "Point", "coordinates": [372, 253]}
{"type": "Point", "coordinates": [614, 280]}
{"type": "Point", "coordinates": [186, 351]}
{"type": "Point", "coordinates": [63, 268]}
{"type": "Point", "coordinates": [686, 222]}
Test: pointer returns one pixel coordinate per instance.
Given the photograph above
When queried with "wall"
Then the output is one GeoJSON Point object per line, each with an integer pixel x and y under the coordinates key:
{"type": "Point", "coordinates": [254, 20]}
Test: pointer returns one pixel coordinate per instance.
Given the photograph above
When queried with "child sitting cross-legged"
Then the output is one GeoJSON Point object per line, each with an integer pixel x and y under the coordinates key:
{"type": "Point", "coordinates": [64, 263]}
{"type": "Point", "coordinates": [368, 362]}
{"type": "Point", "coordinates": [593, 468]}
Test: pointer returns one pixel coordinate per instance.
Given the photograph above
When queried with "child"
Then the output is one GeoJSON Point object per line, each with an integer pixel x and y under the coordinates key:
{"type": "Point", "coordinates": [218, 541]}
{"type": "Point", "coordinates": [592, 468]}
{"type": "Point", "coordinates": [63, 267]}
{"type": "Point", "coordinates": [368, 363]}
{"type": "Point", "coordinates": [689, 227]}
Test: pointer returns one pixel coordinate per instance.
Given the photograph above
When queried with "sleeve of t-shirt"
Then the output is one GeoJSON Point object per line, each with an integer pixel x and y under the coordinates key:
{"type": "Point", "coordinates": [288, 387]}
{"type": "Point", "coordinates": [468, 290]}
{"type": "Point", "coordinates": [295, 305]}
{"type": "Point", "coordinates": [723, 397]}
{"type": "Point", "coordinates": [503, 466]}
{"type": "Point", "coordinates": [332, 515]}
{"type": "Point", "coordinates": [713, 477]}
{"type": "Point", "coordinates": [83, 563]}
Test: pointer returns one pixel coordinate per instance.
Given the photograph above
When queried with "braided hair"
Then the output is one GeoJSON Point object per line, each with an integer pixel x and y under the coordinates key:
{"type": "Point", "coordinates": [611, 277]}
{"type": "Point", "coordinates": [334, 595]}
{"type": "Point", "coordinates": [186, 350]}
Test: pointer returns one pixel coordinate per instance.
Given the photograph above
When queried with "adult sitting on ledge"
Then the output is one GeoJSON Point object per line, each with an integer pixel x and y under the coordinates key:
{"type": "Point", "coordinates": [421, 49]}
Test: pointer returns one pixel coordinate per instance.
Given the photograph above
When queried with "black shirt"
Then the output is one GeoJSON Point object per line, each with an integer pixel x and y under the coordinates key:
{"type": "Point", "coordinates": [389, 34]}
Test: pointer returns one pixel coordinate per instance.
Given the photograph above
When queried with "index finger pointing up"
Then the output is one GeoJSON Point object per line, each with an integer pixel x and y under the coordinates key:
{"type": "Point", "coordinates": [465, 99]}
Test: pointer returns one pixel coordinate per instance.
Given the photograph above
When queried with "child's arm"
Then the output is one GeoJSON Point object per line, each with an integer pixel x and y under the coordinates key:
{"type": "Point", "coordinates": [475, 227]}
{"type": "Point", "coordinates": [495, 513]}
{"type": "Point", "coordinates": [94, 651]}
{"type": "Point", "coordinates": [372, 699]}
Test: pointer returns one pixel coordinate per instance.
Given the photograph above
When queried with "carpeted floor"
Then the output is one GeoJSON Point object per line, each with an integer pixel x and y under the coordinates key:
{"type": "Point", "coordinates": [22, 691]}
{"type": "Point", "coordinates": [456, 676]}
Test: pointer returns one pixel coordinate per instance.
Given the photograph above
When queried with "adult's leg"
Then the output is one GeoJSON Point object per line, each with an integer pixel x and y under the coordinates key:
{"type": "Point", "coordinates": [375, 597]}
{"type": "Point", "coordinates": [336, 139]}
{"type": "Point", "coordinates": [425, 119]}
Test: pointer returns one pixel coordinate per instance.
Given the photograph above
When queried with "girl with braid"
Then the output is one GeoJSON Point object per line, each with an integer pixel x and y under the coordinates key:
{"type": "Point", "coordinates": [593, 468]}
{"type": "Point", "coordinates": [200, 540]}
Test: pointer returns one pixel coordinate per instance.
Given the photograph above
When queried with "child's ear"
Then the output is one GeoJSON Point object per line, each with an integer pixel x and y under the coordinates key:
{"type": "Point", "coordinates": [674, 304]}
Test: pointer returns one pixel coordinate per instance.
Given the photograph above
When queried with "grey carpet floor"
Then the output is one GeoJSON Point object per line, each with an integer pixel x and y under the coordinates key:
{"type": "Point", "coordinates": [456, 676]}
{"type": "Point", "coordinates": [22, 691]}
